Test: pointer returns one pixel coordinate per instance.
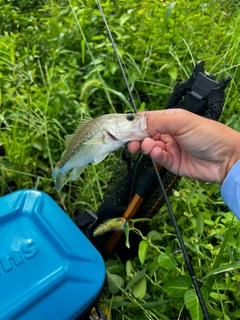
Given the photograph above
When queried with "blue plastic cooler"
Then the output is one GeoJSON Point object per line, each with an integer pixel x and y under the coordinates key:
{"type": "Point", "coordinates": [48, 268]}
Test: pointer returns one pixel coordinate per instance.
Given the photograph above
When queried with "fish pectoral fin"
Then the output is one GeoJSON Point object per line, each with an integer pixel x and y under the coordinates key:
{"type": "Point", "coordinates": [100, 157]}
{"type": "Point", "coordinates": [99, 140]}
{"type": "Point", "coordinates": [76, 172]}
{"type": "Point", "coordinates": [68, 138]}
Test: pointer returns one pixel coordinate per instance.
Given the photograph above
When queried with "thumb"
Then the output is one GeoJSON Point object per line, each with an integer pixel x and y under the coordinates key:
{"type": "Point", "coordinates": [170, 121]}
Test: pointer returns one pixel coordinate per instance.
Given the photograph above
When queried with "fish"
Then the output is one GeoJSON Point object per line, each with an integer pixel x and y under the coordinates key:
{"type": "Point", "coordinates": [94, 139]}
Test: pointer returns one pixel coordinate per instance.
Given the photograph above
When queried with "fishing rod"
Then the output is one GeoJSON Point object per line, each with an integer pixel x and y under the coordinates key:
{"type": "Point", "coordinates": [186, 257]}
{"type": "Point", "coordinates": [117, 56]}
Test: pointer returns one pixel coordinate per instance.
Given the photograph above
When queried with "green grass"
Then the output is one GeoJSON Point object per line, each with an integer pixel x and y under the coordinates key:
{"type": "Point", "coordinates": [57, 67]}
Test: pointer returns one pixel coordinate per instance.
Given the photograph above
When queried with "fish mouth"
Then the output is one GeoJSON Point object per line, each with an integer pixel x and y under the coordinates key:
{"type": "Point", "coordinates": [112, 136]}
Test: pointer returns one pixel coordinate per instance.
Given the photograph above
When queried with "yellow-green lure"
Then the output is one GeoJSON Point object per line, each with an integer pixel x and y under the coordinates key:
{"type": "Point", "coordinates": [110, 225]}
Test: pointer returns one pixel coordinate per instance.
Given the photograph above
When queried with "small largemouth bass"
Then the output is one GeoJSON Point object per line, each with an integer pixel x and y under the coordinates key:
{"type": "Point", "coordinates": [94, 139]}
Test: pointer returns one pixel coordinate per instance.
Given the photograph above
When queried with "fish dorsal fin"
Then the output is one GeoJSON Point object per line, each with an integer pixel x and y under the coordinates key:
{"type": "Point", "coordinates": [82, 123]}
{"type": "Point", "coordinates": [68, 138]}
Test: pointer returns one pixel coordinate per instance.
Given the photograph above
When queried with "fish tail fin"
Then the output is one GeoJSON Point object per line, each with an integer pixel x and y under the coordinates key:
{"type": "Point", "coordinates": [56, 173]}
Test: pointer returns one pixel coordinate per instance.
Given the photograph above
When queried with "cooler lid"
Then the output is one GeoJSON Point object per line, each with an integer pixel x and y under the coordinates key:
{"type": "Point", "coordinates": [48, 267]}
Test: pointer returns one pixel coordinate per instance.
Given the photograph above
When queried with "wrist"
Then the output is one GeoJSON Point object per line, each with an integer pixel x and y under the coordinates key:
{"type": "Point", "coordinates": [233, 156]}
{"type": "Point", "coordinates": [233, 159]}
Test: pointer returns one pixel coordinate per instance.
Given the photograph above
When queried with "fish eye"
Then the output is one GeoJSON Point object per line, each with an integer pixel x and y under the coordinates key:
{"type": "Point", "coordinates": [130, 117]}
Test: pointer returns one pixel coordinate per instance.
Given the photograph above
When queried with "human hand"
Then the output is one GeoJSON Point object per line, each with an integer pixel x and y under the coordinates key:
{"type": "Point", "coordinates": [189, 145]}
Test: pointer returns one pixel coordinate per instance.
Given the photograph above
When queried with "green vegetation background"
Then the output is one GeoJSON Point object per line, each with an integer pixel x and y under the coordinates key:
{"type": "Point", "coordinates": [57, 66]}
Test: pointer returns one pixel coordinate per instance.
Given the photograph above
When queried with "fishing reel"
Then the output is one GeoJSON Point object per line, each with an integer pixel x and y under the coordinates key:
{"type": "Point", "coordinates": [200, 94]}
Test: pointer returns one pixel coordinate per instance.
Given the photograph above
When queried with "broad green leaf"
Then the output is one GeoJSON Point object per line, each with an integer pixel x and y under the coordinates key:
{"type": "Point", "coordinates": [124, 18]}
{"type": "Point", "coordinates": [168, 251]}
{"type": "Point", "coordinates": [177, 286]}
{"type": "Point", "coordinates": [193, 305]}
{"type": "Point", "coordinates": [98, 37]}
{"type": "Point", "coordinates": [129, 267]}
{"type": "Point", "coordinates": [173, 74]}
{"type": "Point", "coordinates": [116, 298]}
{"type": "Point", "coordinates": [219, 286]}
{"type": "Point", "coordinates": [137, 277]}
{"type": "Point", "coordinates": [154, 235]}
{"type": "Point", "coordinates": [113, 266]}
{"type": "Point", "coordinates": [140, 288]}
{"type": "Point", "coordinates": [219, 297]}
{"type": "Point", "coordinates": [166, 261]}
{"type": "Point", "coordinates": [209, 222]}
{"type": "Point", "coordinates": [113, 67]}
{"type": "Point", "coordinates": [153, 266]}
{"type": "Point", "coordinates": [115, 282]}
{"type": "Point", "coordinates": [142, 250]}
{"type": "Point", "coordinates": [217, 313]}
{"type": "Point", "coordinates": [236, 314]}
{"type": "Point", "coordinates": [96, 61]}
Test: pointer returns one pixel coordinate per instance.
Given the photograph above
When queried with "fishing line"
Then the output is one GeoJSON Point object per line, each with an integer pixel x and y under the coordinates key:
{"type": "Point", "coordinates": [133, 181]}
{"type": "Point", "coordinates": [117, 56]}
{"type": "Point", "coordinates": [184, 251]}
